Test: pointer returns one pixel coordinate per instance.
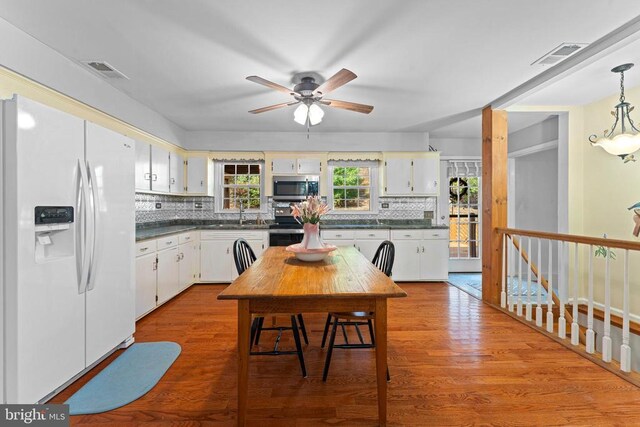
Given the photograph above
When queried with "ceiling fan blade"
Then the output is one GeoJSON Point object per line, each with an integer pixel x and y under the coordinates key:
{"type": "Point", "coordinates": [273, 107]}
{"type": "Point", "coordinates": [272, 85]}
{"type": "Point", "coordinates": [351, 106]}
{"type": "Point", "coordinates": [340, 78]}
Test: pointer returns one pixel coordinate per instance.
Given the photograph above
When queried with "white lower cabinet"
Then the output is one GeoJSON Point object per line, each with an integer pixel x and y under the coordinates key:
{"type": "Point", "coordinates": [216, 252]}
{"type": "Point", "coordinates": [366, 241]}
{"type": "Point", "coordinates": [164, 268]}
{"type": "Point", "coordinates": [406, 265]}
{"type": "Point", "coordinates": [421, 255]}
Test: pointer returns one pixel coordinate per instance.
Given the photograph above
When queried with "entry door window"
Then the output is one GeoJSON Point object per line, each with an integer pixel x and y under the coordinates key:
{"type": "Point", "coordinates": [464, 217]}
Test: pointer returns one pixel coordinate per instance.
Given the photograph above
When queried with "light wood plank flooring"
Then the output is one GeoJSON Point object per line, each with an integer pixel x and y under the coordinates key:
{"type": "Point", "coordinates": [453, 361]}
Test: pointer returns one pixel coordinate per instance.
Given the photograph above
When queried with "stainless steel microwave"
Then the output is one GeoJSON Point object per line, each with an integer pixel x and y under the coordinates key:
{"type": "Point", "coordinates": [295, 187]}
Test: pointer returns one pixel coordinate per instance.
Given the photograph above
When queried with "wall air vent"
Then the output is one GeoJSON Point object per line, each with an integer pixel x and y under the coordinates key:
{"type": "Point", "coordinates": [105, 69]}
{"type": "Point", "coordinates": [559, 53]}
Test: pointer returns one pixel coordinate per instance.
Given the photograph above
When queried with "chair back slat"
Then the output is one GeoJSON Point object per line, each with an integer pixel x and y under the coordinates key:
{"type": "Point", "coordinates": [384, 257]}
{"type": "Point", "coordinates": [243, 255]}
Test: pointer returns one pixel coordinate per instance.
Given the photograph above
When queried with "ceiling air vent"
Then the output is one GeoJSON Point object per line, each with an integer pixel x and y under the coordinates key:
{"type": "Point", "coordinates": [105, 69]}
{"type": "Point", "coordinates": [559, 53]}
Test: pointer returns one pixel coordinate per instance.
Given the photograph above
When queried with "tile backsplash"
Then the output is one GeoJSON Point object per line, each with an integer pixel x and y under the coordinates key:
{"type": "Point", "coordinates": [155, 208]}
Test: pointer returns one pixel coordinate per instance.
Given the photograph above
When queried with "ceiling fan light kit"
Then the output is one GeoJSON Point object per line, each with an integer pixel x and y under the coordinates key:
{"type": "Point", "coordinates": [308, 94]}
{"type": "Point", "coordinates": [627, 141]}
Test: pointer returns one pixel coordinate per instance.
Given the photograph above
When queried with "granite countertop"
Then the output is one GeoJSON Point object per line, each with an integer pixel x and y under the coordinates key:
{"type": "Point", "coordinates": [154, 230]}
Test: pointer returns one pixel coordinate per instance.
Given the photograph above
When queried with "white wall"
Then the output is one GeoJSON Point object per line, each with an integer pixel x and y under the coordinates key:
{"type": "Point", "coordinates": [297, 141]}
{"type": "Point", "coordinates": [27, 56]}
{"type": "Point", "coordinates": [539, 133]}
{"type": "Point", "coordinates": [454, 147]}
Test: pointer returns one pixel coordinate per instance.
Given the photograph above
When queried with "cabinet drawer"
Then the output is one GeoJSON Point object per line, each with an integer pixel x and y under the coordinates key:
{"type": "Point", "coordinates": [167, 242]}
{"type": "Point", "coordinates": [233, 235]}
{"type": "Point", "coordinates": [145, 247]}
{"type": "Point", "coordinates": [187, 237]}
{"type": "Point", "coordinates": [372, 234]}
{"type": "Point", "coordinates": [406, 234]}
{"type": "Point", "coordinates": [435, 234]}
{"type": "Point", "coordinates": [338, 234]}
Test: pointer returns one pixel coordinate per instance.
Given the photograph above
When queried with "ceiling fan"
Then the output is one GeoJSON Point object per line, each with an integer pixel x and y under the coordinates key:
{"type": "Point", "coordinates": [309, 94]}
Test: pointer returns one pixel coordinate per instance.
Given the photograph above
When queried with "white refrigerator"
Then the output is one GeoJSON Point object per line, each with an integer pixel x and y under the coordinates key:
{"type": "Point", "coordinates": [68, 238]}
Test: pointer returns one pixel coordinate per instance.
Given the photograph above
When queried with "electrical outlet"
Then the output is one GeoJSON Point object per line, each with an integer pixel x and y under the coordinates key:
{"type": "Point", "coordinates": [197, 205]}
{"type": "Point", "coordinates": [158, 205]}
{"type": "Point", "coordinates": [428, 214]}
{"type": "Point", "coordinates": [385, 205]}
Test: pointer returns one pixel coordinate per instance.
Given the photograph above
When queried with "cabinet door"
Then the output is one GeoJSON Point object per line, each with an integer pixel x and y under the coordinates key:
{"type": "Point", "coordinates": [168, 274]}
{"type": "Point", "coordinates": [406, 265]}
{"type": "Point", "coordinates": [145, 284]}
{"type": "Point", "coordinates": [185, 265]}
{"type": "Point", "coordinates": [176, 173]}
{"type": "Point", "coordinates": [197, 175]}
{"type": "Point", "coordinates": [195, 261]}
{"type": "Point", "coordinates": [398, 176]}
{"type": "Point", "coordinates": [368, 248]}
{"type": "Point", "coordinates": [283, 166]}
{"type": "Point", "coordinates": [216, 260]}
{"type": "Point", "coordinates": [143, 166]}
{"type": "Point", "coordinates": [309, 166]}
{"type": "Point", "coordinates": [159, 169]}
{"type": "Point", "coordinates": [434, 259]}
{"type": "Point", "coordinates": [426, 174]}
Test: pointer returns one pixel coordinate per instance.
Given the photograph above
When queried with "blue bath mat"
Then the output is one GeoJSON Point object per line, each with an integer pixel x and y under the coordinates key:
{"type": "Point", "coordinates": [129, 377]}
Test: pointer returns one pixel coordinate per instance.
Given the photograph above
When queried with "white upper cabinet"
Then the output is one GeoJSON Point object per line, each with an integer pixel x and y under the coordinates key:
{"type": "Point", "coordinates": [411, 174]}
{"type": "Point", "coordinates": [426, 174]}
{"type": "Point", "coordinates": [283, 166]}
{"type": "Point", "coordinates": [309, 166]}
{"type": "Point", "coordinates": [143, 166]}
{"type": "Point", "coordinates": [159, 169]}
{"type": "Point", "coordinates": [199, 176]}
{"type": "Point", "coordinates": [398, 177]}
{"type": "Point", "coordinates": [176, 173]}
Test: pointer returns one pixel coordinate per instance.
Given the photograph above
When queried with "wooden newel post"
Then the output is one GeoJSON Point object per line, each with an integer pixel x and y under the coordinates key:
{"type": "Point", "coordinates": [494, 200]}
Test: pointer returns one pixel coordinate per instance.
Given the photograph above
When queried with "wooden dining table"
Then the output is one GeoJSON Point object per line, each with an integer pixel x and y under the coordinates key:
{"type": "Point", "coordinates": [279, 283]}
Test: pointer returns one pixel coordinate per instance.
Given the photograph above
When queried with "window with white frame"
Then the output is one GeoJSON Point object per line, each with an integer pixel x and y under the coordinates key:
{"type": "Point", "coordinates": [353, 186]}
{"type": "Point", "coordinates": [241, 184]}
{"type": "Point", "coordinates": [464, 209]}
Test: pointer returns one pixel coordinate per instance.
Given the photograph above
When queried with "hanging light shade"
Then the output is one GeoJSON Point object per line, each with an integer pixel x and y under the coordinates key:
{"type": "Point", "coordinates": [626, 141]}
{"type": "Point", "coordinates": [300, 114]}
{"type": "Point", "coordinates": [315, 114]}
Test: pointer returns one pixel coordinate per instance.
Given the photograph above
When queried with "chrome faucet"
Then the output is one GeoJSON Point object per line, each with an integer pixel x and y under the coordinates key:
{"type": "Point", "coordinates": [241, 211]}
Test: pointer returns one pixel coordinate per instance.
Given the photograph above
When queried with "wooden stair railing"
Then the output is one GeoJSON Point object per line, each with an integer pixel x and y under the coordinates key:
{"type": "Point", "coordinates": [545, 284]}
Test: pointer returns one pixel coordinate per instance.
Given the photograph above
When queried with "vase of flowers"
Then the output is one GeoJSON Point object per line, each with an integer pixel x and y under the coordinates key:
{"type": "Point", "coordinates": [308, 214]}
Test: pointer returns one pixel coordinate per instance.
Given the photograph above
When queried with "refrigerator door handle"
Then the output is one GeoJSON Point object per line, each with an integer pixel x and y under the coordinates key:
{"type": "Point", "coordinates": [81, 241]}
{"type": "Point", "coordinates": [95, 218]}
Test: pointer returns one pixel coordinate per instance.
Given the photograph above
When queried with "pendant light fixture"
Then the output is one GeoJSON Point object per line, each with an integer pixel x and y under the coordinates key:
{"type": "Point", "coordinates": [626, 141]}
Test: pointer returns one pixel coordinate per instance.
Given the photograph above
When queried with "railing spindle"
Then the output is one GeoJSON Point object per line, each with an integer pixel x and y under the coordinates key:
{"type": "Point", "coordinates": [562, 322]}
{"type": "Point", "coordinates": [539, 293]}
{"type": "Point", "coordinates": [606, 339]}
{"type": "Point", "coordinates": [529, 280]}
{"type": "Point", "coordinates": [625, 349]}
{"type": "Point", "coordinates": [519, 311]}
{"type": "Point", "coordinates": [510, 283]}
{"type": "Point", "coordinates": [503, 294]}
{"type": "Point", "coordinates": [575, 328]}
{"type": "Point", "coordinates": [550, 290]}
{"type": "Point", "coordinates": [591, 336]}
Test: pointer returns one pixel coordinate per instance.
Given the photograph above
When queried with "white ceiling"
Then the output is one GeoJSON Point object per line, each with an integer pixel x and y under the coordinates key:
{"type": "Point", "coordinates": [419, 62]}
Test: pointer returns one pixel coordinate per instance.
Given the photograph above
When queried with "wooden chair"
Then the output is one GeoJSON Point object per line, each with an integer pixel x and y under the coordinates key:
{"type": "Point", "coordinates": [383, 259]}
{"type": "Point", "coordinates": [244, 256]}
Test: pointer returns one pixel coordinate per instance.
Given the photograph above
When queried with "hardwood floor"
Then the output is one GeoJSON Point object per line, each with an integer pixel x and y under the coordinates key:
{"type": "Point", "coordinates": [453, 361]}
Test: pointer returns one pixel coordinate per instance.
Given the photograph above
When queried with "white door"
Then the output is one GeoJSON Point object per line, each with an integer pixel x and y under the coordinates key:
{"type": "Point", "coordinates": [406, 265]}
{"type": "Point", "coordinates": [111, 290]}
{"type": "Point", "coordinates": [426, 176]}
{"type": "Point", "coordinates": [159, 169]}
{"type": "Point", "coordinates": [216, 260]}
{"type": "Point", "coordinates": [197, 175]}
{"type": "Point", "coordinates": [434, 259]}
{"type": "Point", "coordinates": [143, 166]}
{"type": "Point", "coordinates": [44, 321]}
{"type": "Point", "coordinates": [397, 177]}
{"type": "Point", "coordinates": [145, 284]}
{"type": "Point", "coordinates": [168, 274]}
{"type": "Point", "coordinates": [368, 248]}
{"type": "Point", "coordinates": [185, 265]}
{"type": "Point", "coordinates": [309, 166]}
{"type": "Point", "coordinates": [283, 166]}
{"type": "Point", "coordinates": [176, 173]}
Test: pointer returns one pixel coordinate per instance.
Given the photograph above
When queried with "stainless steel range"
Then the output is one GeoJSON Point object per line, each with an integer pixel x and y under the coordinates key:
{"type": "Point", "coordinates": [286, 230]}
